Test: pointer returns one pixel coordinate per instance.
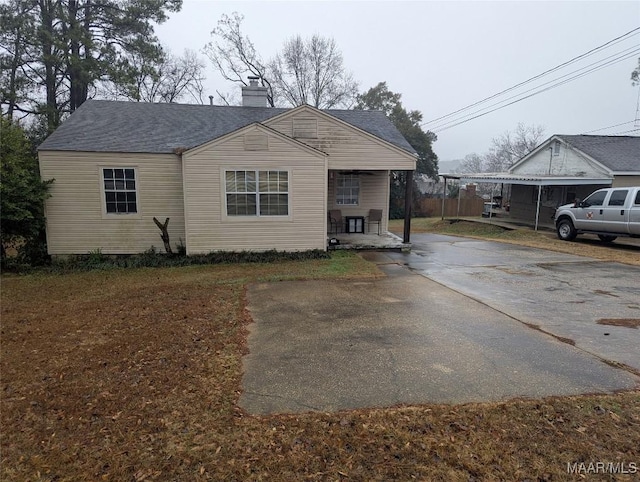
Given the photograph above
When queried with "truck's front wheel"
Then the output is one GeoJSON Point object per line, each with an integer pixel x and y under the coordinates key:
{"type": "Point", "coordinates": [565, 230]}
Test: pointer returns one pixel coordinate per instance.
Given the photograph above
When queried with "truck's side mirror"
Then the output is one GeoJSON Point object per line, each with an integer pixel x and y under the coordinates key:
{"type": "Point", "coordinates": [577, 203]}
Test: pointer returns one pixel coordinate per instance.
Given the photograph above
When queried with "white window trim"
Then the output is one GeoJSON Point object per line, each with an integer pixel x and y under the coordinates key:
{"type": "Point", "coordinates": [254, 217]}
{"type": "Point", "coordinates": [103, 200]}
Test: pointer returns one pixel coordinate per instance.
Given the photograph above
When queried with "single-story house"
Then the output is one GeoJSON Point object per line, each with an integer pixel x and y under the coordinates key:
{"type": "Point", "coordinates": [562, 169]}
{"type": "Point", "coordinates": [245, 177]}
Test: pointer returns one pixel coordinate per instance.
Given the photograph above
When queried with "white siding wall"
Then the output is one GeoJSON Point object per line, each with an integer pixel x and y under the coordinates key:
{"type": "Point", "coordinates": [208, 227]}
{"type": "Point", "coordinates": [374, 194]}
{"type": "Point", "coordinates": [347, 148]}
{"type": "Point", "coordinates": [76, 221]}
{"type": "Point", "coordinates": [567, 163]}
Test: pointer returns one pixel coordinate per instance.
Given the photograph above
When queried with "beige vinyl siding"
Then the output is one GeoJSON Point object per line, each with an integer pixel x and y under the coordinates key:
{"type": "Point", "coordinates": [374, 194]}
{"type": "Point", "coordinates": [208, 226]}
{"type": "Point", "coordinates": [625, 181]}
{"type": "Point", "coordinates": [76, 221]}
{"type": "Point", "coordinates": [348, 148]}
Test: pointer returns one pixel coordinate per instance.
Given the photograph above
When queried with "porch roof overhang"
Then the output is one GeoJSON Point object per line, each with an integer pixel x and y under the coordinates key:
{"type": "Point", "coordinates": [527, 180]}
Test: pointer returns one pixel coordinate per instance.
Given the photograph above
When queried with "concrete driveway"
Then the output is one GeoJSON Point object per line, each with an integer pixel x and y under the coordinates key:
{"type": "Point", "coordinates": [439, 328]}
{"type": "Point", "coordinates": [562, 294]}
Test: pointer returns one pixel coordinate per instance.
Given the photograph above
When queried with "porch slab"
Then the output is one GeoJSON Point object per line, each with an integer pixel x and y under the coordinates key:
{"type": "Point", "coordinates": [357, 241]}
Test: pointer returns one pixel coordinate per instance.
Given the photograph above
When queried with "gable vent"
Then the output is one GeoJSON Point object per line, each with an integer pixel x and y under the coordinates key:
{"type": "Point", "coordinates": [305, 128]}
{"type": "Point", "coordinates": [256, 142]}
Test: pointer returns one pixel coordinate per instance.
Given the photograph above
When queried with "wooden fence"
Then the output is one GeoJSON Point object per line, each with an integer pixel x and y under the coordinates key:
{"type": "Point", "coordinates": [431, 207]}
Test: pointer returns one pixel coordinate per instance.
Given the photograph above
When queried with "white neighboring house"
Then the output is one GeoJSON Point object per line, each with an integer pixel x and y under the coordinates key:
{"type": "Point", "coordinates": [564, 168]}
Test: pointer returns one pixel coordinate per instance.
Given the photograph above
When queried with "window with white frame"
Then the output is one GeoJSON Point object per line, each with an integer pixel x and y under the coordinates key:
{"type": "Point", "coordinates": [257, 193]}
{"type": "Point", "coordinates": [347, 189]}
{"type": "Point", "coordinates": [120, 192]}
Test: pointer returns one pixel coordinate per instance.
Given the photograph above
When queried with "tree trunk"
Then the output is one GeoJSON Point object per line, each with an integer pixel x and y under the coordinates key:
{"type": "Point", "coordinates": [165, 234]}
{"type": "Point", "coordinates": [47, 35]}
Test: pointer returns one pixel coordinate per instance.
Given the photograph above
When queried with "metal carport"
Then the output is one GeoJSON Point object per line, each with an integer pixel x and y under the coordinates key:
{"type": "Point", "coordinates": [527, 180]}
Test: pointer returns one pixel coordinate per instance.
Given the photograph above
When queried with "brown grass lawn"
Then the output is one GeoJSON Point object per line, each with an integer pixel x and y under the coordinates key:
{"type": "Point", "coordinates": [134, 375]}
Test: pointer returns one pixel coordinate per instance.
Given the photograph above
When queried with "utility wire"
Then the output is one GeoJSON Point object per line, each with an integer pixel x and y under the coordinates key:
{"type": "Point", "coordinates": [626, 132]}
{"type": "Point", "coordinates": [618, 59]}
{"type": "Point", "coordinates": [635, 31]}
{"type": "Point", "coordinates": [456, 122]}
{"type": "Point", "coordinates": [608, 127]}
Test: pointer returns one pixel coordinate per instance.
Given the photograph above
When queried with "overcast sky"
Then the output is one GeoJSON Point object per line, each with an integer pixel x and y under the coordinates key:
{"type": "Point", "coordinates": [442, 56]}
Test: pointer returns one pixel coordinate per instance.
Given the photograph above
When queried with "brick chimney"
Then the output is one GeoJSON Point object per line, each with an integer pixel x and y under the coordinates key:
{"type": "Point", "coordinates": [470, 190]}
{"type": "Point", "coordinates": [254, 95]}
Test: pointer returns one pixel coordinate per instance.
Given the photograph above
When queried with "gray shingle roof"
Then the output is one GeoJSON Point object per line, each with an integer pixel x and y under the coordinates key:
{"type": "Point", "coordinates": [618, 153]}
{"type": "Point", "coordinates": [113, 126]}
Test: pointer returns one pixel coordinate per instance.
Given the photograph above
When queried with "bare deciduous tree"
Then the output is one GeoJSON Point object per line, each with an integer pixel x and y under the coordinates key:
{"type": "Point", "coordinates": [503, 153]}
{"type": "Point", "coordinates": [170, 80]}
{"type": "Point", "coordinates": [306, 71]}
{"type": "Point", "coordinates": [471, 163]}
{"type": "Point", "coordinates": [512, 146]}
{"type": "Point", "coordinates": [234, 55]}
{"type": "Point", "coordinates": [311, 72]}
{"type": "Point", "coordinates": [505, 150]}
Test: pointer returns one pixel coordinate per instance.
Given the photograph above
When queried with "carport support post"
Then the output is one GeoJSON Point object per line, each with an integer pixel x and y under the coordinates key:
{"type": "Point", "coordinates": [538, 205]}
{"type": "Point", "coordinates": [408, 194]}
{"type": "Point", "coordinates": [444, 193]}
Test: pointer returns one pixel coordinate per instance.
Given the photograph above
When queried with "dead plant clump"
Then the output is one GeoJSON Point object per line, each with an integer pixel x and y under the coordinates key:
{"type": "Point", "coordinates": [134, 375]}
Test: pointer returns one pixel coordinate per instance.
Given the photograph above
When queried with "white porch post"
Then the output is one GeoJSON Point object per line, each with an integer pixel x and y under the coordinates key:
{"type": "Point", "coordinates": [408, 197]}
{"type": "Point", "coordinates": [538, 205]}
{"type": "Point", "coordinates": [459, 191]}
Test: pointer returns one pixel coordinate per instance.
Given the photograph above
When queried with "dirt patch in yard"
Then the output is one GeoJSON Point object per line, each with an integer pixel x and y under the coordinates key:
{"type": "Point", "coordinates": [135, 375]}
{"type": "Point", "coordinates": [627, 322]}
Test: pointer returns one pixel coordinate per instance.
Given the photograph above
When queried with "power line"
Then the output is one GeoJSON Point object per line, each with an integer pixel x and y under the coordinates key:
{"type": "Point", "coordinates": [608, 127]}
{"type": "Point", "coordinates": [445, 124]}
{"type": "Point", "coordinates": [462, 120]}
{"type": "Point", "coordinates": [635, 31]}
{"type": "Point", "coordinates": [637, 129]}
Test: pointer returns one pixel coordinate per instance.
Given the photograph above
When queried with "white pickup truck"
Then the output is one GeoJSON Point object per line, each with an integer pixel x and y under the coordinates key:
{"type": "Point", "coordinates": [609, 213]}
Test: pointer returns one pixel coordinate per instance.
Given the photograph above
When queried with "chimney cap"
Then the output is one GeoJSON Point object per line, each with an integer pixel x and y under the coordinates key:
{"type": "Point", "coordinates": [253, 79]}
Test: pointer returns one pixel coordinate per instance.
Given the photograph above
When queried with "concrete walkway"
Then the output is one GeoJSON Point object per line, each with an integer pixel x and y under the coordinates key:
{"type": "Point", "coordinates": [404, 339]}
